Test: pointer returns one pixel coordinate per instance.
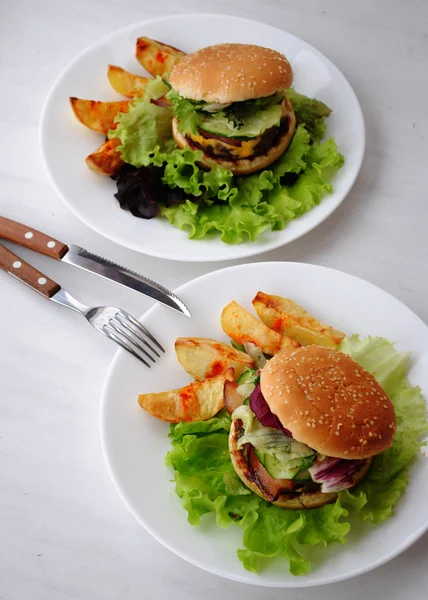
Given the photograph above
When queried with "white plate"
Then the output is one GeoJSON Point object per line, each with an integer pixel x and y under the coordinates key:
{"type": "Point", "coordinates": [65, 142]}
{"type": "Point", "coordinates": [135, 443]}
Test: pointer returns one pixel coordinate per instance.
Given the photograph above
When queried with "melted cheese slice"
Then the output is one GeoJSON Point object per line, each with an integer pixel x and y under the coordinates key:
{"type": "Point", "coordinates": [216, 146]}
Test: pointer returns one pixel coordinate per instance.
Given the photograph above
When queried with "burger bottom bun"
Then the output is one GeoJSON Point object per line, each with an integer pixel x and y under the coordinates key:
{"type": "Point", "coordinates": [242, 166]}
{"type": "Point", "coordinates": [291, 500]}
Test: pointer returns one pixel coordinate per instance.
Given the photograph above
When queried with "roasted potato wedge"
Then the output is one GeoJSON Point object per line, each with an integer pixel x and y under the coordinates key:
{"type": "Point", "coordinates": [242, 327]}
{"type": "Point", "coordinates": [157, 58]}
{"type": "Point", "coordinates": [198, 401]}
{"type": "Point", "coordinates": [126, 83]}
{"type": "Point", "coordinates": [98, 116]}
{"type": "Point", "coordinates": [203, 357]}
{"type": "Point", "coordinates": [106, 160]}
{"type": "Point", "coordinates": [287, 317]}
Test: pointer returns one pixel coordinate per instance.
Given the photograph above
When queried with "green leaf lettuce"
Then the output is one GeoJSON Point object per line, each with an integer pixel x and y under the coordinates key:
{"type": "Point", "coordinates": [145, 127]}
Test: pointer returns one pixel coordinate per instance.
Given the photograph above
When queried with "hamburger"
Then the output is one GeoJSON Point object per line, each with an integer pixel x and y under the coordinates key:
{"type": "Point", "coordinates": [229, 102]}
{"type": "Point", "coordinates": [313, 423]}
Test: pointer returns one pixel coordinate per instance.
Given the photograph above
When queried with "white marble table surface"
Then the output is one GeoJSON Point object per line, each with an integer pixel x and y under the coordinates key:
{"type": "Point", "coordinates": [64, 532]}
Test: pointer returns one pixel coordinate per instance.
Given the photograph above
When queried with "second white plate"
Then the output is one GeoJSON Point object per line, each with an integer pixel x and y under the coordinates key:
{"type": "Point", "coordinates": [135, 443]}
{"type": "Point", "coordinates": [65, 143]}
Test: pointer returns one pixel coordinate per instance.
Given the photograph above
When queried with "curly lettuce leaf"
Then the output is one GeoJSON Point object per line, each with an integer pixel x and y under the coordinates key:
{"type": "Point", "coordinates": [206, 481]}
{"type": "Point", "coordinates": [257, 202]}
{"type": "Point", "coordinates": [145, 128]}
{"type": "Point", "coordinates": [186, 111]}
{"type": "Point", "coordinates": [310, 113]}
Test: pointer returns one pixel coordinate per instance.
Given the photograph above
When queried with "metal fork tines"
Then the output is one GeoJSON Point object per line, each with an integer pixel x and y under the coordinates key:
{"type": "Point", "coordinates": [117, 325]}
{"type": "Point", "coordinates": [128, 333]}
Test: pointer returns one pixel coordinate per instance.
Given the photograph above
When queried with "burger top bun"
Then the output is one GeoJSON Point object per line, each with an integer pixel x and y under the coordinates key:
{"type": "Point", "coordinates": [329, 402]}
{"type": "Point", "coordinates": [228, 73]}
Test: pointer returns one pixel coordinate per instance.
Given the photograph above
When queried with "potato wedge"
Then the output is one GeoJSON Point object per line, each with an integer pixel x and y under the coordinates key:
{"type": "Point", "coordinates": [203, 357]}
{"type": "Point", "coordinates": [126, 83]}
{"type": "Point", "coordinates": [157, 58]}
{"type": "Point", "coordinates": [106, 160]}
{"type": "Point", "coordinates": [242, 327]}
{"type": "Point", "coordinates": [287, 317]}
{"type": "Point", "coordinates": [198, 401]}
{"type": "Point", "coordinates": [98, 116]}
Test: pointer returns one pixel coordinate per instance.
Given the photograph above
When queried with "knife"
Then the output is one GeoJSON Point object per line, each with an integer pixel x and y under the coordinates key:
{"type": "Point", "coordinates": [30, 238]}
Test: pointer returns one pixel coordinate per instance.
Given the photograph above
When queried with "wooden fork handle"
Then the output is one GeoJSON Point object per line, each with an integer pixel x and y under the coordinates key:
{"type": "Point", "coordinates": [17, 267]}
{"type": "Point", "coordinates": [30, 238]}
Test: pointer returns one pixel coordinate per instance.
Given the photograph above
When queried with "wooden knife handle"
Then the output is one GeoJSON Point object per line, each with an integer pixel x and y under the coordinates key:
{"type": "Point", "coordinates": [30, 238]}
{"type": "Point", "coordinates": [17, 267]}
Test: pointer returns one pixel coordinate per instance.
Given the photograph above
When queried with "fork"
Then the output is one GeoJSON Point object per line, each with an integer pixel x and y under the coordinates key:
{"type": "Point", "coordinates": [115, 323]}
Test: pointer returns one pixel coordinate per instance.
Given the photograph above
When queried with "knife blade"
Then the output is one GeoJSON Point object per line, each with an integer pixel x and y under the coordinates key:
{"type": "Point", "coordinates": [30, 238]}
{"type": "Point", "coordinates": [81, 258]}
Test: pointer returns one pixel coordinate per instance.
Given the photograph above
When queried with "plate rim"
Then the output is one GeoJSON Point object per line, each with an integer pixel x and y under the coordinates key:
{"type": "Point", "coordinates": [250, 251]}
{"type": "Point", "coordinates": [297, 582]}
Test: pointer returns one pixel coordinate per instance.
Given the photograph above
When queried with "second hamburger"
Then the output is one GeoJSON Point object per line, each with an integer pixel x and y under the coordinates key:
{"type": "Point", "coordinates": [229, 101]}
{"type": "Point", "coordinates": [311, 428]}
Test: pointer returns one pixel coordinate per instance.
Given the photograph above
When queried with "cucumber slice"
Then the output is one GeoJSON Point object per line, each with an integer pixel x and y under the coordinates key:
{"type": "Point", "coordinates": [296, 468]}
{"type": "Point", "coordinates": [303, 476]}
{"type": "Point", "coordinates": [278, 469]}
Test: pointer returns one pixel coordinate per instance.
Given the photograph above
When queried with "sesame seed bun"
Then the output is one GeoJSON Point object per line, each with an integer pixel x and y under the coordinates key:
{"type": "Point", "coordinates": [231, 73]}
{"type": "Point", "coordinates": [329, 402]}
{"type": "Point", "coordinates": [243, 166]}
{"type": "Point", "coordinates": [285, 499]}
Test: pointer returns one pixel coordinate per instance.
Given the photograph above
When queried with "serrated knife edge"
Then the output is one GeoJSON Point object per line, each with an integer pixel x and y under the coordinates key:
{"type": "Point", "coordinates": [78, 256]}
